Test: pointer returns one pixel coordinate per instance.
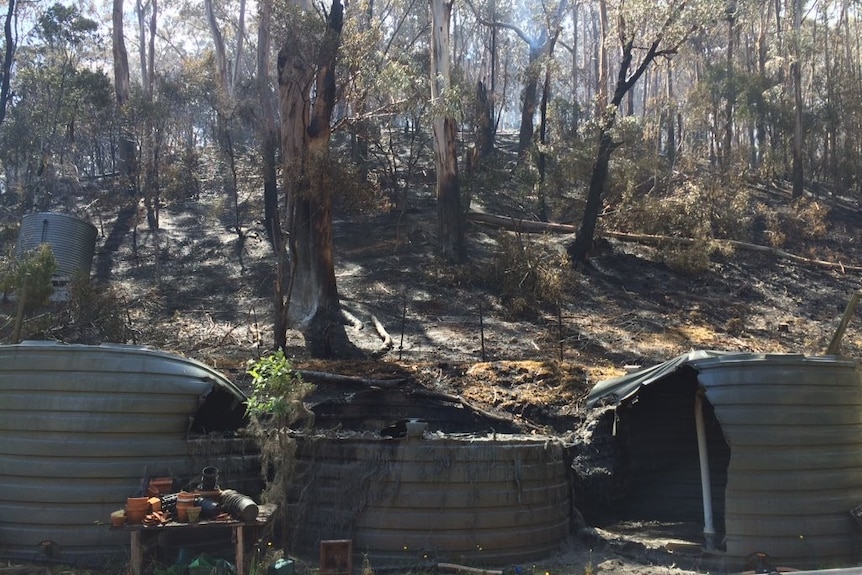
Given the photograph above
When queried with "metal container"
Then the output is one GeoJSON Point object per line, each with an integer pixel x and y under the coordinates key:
{"type": "Point", "coordinates": [487, 500]}
{"type": "Point", "coordinates": [82, 426]}
{"type": "Point", "coordinates": [777, 439]}
{"type": "Point", "coordinates": [795, 436]}
{"type": "Point", "coordinates": [72, 240]}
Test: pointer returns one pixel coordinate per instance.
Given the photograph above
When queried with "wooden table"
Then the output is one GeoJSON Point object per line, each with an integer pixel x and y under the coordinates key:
{"type": "Point", "coordinates": [238, 533]}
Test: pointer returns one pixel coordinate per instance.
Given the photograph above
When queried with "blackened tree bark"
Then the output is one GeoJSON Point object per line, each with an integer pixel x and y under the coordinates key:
{"type": "Point", "coordinates": [538, 48]}
{"type": "Point", "coordinates": [579, 249]}
{"type": "Point", "coordinates": [310, 301]}
{"type": "Point", "coordinates": [122, 88]}
{"type": "Point", "coordinates": [484, 121]}
{"type": "Point", "coordinates": [450, 215]}
{"type": "Point", "coordinates": [268, 129]}
{"type": "Point", "coordinates": [8, 58]}
{"type": "Point", "coordinates": [796, 73]}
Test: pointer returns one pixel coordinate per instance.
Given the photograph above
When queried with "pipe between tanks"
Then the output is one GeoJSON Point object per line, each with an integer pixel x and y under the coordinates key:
{"type": "Point", "coordinates": [705, 485]}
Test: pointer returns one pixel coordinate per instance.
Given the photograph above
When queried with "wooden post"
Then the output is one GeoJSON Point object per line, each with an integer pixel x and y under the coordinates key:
{"type": "Point", "coordinates": [835, 344]}
{"type": "Point", "coordinates": [19, 316]}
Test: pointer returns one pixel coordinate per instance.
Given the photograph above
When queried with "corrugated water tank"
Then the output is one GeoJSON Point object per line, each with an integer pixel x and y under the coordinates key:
{"type": "Point", "coordinates": [81, 426]}
{"type": "Point", "coordinates": [492, 500]}
{"type": "Point", "coordinates": [794, 429]}
{"type": "Point", "coordinates": [72, 240]}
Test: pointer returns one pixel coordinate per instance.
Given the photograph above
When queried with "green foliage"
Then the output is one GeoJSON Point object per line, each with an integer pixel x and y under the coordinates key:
{"type": "Point", "coordinates": [30, 277]}
{"type": "Point", "coordinates": [700, 208]}
{"type": "Point", "coordinates": [96, 313]}
{"type": "Point", "coordinates": [64, 25]}
{"type": "Point", "coordinates": [804, 219]}
{"type": "Point", "coordinates": [275, 403]}
{"type": "Point", "coordinates": [528, 274]}
{"type": "Point", "coordinates": [59, 120]}
{"type": "Point", "coordinates": [182, 176]}
{"type": "Point", "coordinates": [354, 194]}
{"type": "Point", "coordinates": [688, 259]}
{"type": "Point", "coordinates": [276, 388]}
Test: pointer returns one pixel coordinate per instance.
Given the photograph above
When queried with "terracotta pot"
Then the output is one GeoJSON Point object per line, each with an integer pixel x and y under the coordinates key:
{"type": "Point", "coordinates": [193, 514]}
{"type": "Point", "coordinates": [162, 485]}
{"type": "Point", "coordinates": [136, 509]}
{"type": "Point", "coordinates": [134, 516]}
{"type": "Point", "coordinates": [118, 518]}
{"type": "Point", "coordinates": [186, 497]}
{"type": "Point", "coordinates": [182, 512]}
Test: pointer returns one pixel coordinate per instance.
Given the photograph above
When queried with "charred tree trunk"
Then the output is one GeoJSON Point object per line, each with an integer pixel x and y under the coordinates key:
{"type": "Point", "coordinates": [796, 73]}
{"type": "Point", "coordinates": [9, 57]}
{"type": "Point", "coordinates": [312, 302]}
{"type": "Point", "coordinates": [450, 214]}
{"type": "Point", "coordinates": [529, 98]}
{"type": "Point", "coordinates": [484, 122]}
{"type": "Point", "coordinates": [579, 249]}
{"type": "Point", "coordinates": [269, 134]}
{"type": "Point", "coordinates": [122, 87]}
{"type": "Point", "coordinates": [730, 101]}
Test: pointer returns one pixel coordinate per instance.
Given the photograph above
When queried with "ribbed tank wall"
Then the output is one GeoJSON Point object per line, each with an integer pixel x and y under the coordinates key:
{"type": "Point", "coordinates": [80, 426]}
{"type": "Point", "coordinates": [489, 501]}
{"type": "Point", "coordinates": [794, 427]}
{"type": "Point", "coordinates": [72, 240]}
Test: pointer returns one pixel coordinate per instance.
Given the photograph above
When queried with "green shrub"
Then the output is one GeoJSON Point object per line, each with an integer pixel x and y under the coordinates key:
{"type": "Point", "coordinates": [804, 219]}
{"type": "Point", "coordinates": [528, 274]}
{"type": "Point", "coordinates": [277, 389]}
{"type": "Point", "coordinates": [98, 312]}
{"type": "Point", "coordinates": [30, 278]}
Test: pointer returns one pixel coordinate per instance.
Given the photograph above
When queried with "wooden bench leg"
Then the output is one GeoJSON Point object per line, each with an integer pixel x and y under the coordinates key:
{"type": "Point", "coordinates": [137, 553]}
{"type": "Point", "coordinates": [240, 549]}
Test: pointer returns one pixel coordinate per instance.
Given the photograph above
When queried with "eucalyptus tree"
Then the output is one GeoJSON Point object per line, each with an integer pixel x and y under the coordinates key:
{"type": "Point", "coordinates": [307, 93]}
{"type": "Point", "coordinates": [644, 31]}
{"type": "Point", "coordinates": [10, 44]}
{"type": "Point", "coordinates": [268, 129]}
{"type": "Point", "coordinates": [798, 177]}
{"type": "Point", "coordinates": [122, 88]}
{"type": "Point", "coordinates": [58, 93]}
{"type": "Point", "coordinates": [450, 214]}
{"type": "Point", "coordinates": [539, 34]}
{"type": "Point", "coordinates": [228, 71]}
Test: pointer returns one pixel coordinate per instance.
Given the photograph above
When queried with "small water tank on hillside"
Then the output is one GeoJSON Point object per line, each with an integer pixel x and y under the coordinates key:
{"type": "Point", "coordinates": [72, 240]}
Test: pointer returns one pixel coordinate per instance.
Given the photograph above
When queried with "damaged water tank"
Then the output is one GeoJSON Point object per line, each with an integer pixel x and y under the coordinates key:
{"type": "Point", "coordinates": [82, 426]}
{"type": "Point", "coordinates": [72, 240]}
{"type": "Point", "coordinates": [775, 466]}
{"type": "Point", "coordinates": [489, 500]}
{"type": "Point", "coordinates": [793, 426]}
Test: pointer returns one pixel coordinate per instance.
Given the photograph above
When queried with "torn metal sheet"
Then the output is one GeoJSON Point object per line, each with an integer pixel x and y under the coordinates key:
{"type": "Point", "coordinates": [790, 425]}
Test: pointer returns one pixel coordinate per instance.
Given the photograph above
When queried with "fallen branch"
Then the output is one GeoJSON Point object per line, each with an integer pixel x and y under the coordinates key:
{"type": "Point", "coordinates": [532, 226]}
{"type": "Point", "coordinates": [384, 335]}
{"type": "Point", "coordinates": [336, 378]}
{"type": "Point", "coordinates": [352, 320]}
{"type": "Point", "coordinates": [657, 240]}
{"type": "Point", "coordinates": [521, 225]}
{"type": "Point", "coordinates": [467, 569]}
{"type": "Point", "coordinates": [457, 399]}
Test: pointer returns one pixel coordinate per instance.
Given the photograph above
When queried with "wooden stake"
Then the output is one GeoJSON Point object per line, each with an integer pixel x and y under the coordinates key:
{"type": "Point", "coordinates": [835, 344]}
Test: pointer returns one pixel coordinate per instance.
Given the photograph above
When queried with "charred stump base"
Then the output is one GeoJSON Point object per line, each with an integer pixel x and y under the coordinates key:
{"type": "Point", "coordinates": [326, 337]}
